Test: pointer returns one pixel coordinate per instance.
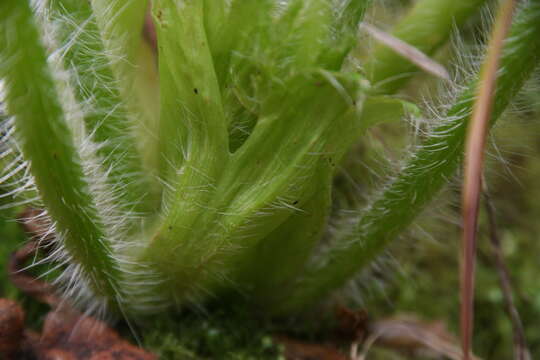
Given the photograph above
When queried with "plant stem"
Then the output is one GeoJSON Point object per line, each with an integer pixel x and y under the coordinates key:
{"type": "Point", "coordinates": [428, 170]}
{"type": "Point", "coordinates": [473, 165]}
{"type": "Point", "coordinates": [47, 143]}
{"type": "Point", "coordinates": [521, 350]}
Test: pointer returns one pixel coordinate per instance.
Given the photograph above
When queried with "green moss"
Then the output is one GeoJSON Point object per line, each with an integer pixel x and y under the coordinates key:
{"type": "Point", "coordinates": [232, 334]}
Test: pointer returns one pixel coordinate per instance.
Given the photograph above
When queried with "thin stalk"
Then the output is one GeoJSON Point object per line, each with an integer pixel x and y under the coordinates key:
{"type": "Point", "coordinates": [427, 171]}
{"type": "Point", "coordinates": [426, 27]}
{"type": "Point", "coordinates": [47, 144]}
{"type": "Point", "coordinates": [473, 167]}
{"type": "Point", "coordinates": [407, 51]}
{"type": "Point", "coordinates": [521, 350]}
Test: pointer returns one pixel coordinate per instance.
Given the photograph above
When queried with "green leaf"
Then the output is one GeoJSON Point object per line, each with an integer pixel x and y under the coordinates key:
{"type": "Point", "coordinates": [380, 109]}
{"type": "Point", "coordinates": [121, 23]}
{"type": "Point", "coordinates": [193, 133]}
{"type": "Point", "coordinates": [192, 129]}
{"type": "Point", "coordinates": [47, 142]}
{"type": "Point", "coordinates": [106, 114]}
{"type": "Point", "coordinates": [296, 142]}
{"type": "Point", "coordinates": [427, 171]}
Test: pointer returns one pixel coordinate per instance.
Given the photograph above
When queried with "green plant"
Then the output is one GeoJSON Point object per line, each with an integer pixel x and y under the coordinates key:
{"type": "Point", "coordinates": [230, 188]}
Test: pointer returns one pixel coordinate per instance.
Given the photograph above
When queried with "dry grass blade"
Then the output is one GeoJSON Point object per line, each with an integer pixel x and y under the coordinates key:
{"type": "Point", "coordinates": [521, 351]}
{"type": "Point", "coordinates": [474, 156]}
{"type": "Point", "coordinates": [409, 52]}
{"type": "Point", "coordinates": [410, 335]}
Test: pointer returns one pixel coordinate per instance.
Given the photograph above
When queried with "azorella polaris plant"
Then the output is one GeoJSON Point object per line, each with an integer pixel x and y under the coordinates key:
{"type": "Point", "coordinates": [230, 187]}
